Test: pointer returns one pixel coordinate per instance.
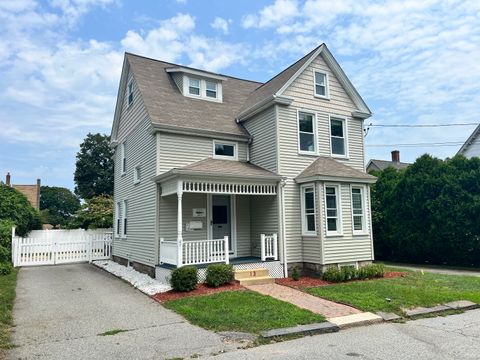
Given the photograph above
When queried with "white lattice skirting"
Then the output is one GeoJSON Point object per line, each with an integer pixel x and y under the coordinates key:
{"type": "Point", "coordinates": [275, 270]}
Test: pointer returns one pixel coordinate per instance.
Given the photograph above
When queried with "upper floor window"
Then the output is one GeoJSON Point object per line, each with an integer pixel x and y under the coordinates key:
{"type": "Point", "coordinates": [332, 206]}
{"type": "Point", "coordinates": [308, 210]}
{"type": "Point", "coordinates": [125, 215]}
{"type": "Point", "coordinates": [124, 158]}
{"type": "Point", "coordinates": [211, 89]}
{"type": "Point", "coordinates": [130, 93]}
{"type": "Point", "coordinates": [224, 150]}
{"type": "Point", "coordinates": [321, 84]}
{"type": "Point", "coordinates": [358, 212]}
{"type": "Point", "coordinates": [136, 174]}
{"type": "Point", "coordinates": [306, 133]}
{"type": "Point", "coordinates": [337, 134]}
{"type": "Point", "coordinates": [194, 86]}
{"type": "Point", "coordinates": [117, 219]}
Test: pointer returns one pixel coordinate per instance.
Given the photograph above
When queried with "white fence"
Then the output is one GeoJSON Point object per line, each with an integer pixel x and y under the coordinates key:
{"type": "Point", "coordinates": [269, 247]}
{"type": "Point", "coordinates": [50, 247]}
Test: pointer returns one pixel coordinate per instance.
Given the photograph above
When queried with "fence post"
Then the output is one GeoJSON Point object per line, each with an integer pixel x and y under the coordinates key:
{"type": "Point", "coordinates": [14, 247]}
{"type": "Point", "coordinates": [89, 248]}
{"type": "Point", "coordinates": [179, 252]}
{"type": "Point", "coordinates": [275, 247]}
{"type": "Point", "coordinates": [227, 250]}
{"type": "Point", "coordinates": [262, 246]}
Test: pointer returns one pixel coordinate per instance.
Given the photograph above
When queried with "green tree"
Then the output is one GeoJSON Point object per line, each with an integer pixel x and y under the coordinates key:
{"type": "Point", "coordinates": [97, 212]}
{"type": "Point", "coordinates": [57, 205]}
{"type": "Point", "coordinates": [94, 167]}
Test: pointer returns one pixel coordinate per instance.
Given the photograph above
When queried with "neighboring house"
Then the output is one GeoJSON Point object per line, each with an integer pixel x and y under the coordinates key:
{"type": "Point", "coordinates": [32, 192]}
{"type": "Point", "coordinates": [379, 165]}
{"type": "Point", "coordinates": [212, 168]}
{"type": "Point", "coordinates": [471, 147]}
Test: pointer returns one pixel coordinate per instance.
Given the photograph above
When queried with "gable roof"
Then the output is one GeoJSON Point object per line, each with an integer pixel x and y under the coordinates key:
{"type": "Point", "coordinates": [325, 168]}
{"type": "Point", "coordinates": [471, 139]}
{"type": "Point", "coordinates": [383, 164]}
{"type": "Point", "coordinates": [276, 86]}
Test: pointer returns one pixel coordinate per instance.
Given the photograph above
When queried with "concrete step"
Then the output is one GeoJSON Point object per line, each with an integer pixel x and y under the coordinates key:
{"type": "Point", "coordinates": [259, 280]}
{"type": "Point", "coordinates": [250, 273]}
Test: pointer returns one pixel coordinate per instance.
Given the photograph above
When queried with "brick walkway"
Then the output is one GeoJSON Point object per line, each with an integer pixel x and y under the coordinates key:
{"type": "Point", "coordinates": [327, 308]}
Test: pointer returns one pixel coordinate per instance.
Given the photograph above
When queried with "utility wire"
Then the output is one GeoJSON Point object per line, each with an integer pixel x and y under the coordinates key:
{"type": "Point", "coordinates": [434, 144]}
{"type": "Point", "coordinates": [423, 125]}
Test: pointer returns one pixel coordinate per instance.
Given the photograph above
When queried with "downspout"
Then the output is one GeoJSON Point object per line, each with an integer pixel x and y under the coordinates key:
{"type": "Point", "coordinates": [284, 238]}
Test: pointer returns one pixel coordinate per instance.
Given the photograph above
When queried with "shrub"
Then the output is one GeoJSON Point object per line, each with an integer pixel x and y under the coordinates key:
{"type": "Point", "coordinates": [184, 278]}
{"type": "Point", "coordinates": [346, 273]}
{"type": "Point", "coordinates": [219, 274]}
{"type": "Point", "coordinates": [333, 274]}
{"type": "Point", "coordinates": [4, 254]}
{"type": "Point", "coordinates": [295, 274]}
{"type": "Point", "coordinates": [5, 268]}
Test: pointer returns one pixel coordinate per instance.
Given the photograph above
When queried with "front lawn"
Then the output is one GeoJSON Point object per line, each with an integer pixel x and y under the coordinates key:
{"type": "Point", "coordinates": [7, 297]}
{"type": "Point", "coordinates": [410, 291]}
{"type": "Point", "coordinates": [244, 311]}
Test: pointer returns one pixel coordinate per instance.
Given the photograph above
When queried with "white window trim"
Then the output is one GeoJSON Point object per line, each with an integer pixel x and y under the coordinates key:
{"type": "Point", "coordinates": [118, 220]}
{"type": "Point", "coordinates": [306, 232]}
{"type": "Point", "coordinates": [327, 86]}
{"type": "Point", "coordinates": [216, 89]}
{"type": "Point", "coordinates": [203, 88]}
{"type": "Point", "coordinates": [222, 157]}
{"type": "Point", "coordinates": [130, 91]}
{"type": "Point", "coordinates": [363, 192]}
{"type": "Point", "coordinates": [136, 178]}
{"type": "Point", "coordinates": [345, 134]}
{"type": "Point", "coordinates": [315, 136]}
{"type": "Point", "coordinates": [124, 211]}
{"type": "Point", "coordinates": [338, 193]}
{"type": "Point", "coordinates": [199, 86]}
{"type": "Point", "coordinates": [123, 156]}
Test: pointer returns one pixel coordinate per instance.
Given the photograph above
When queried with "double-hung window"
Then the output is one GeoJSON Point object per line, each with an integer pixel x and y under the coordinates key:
{"type": "Point", "coordinates": [307, 133]}
{"type": "Point", "coordinates": [136, 174]}
{"type": "Point", "coordinates": [211, 89]}
{"type": "Point", "coordinates": [194, 86]}
{"type": "Point", "coordinates": [337, 136]}
{"type": "Point", "coordinates": [125, 217]}
{"type": "Point", "coordinates": [333, 210]}
{"type": "Point", "coordinates": [130, 93]}
{"type": "Point", "coordinates": [224, 150]}
{"type": "Point", "coordinates": [358, 209]}
{"type": "Point", "coordinates": [124, 157]}
{"type": "Point", "coordinates": [117, 219]}
{"type": "Point", "coordinates": [308, 210]}
{"type": "Point", "coordinates": [321, 84]}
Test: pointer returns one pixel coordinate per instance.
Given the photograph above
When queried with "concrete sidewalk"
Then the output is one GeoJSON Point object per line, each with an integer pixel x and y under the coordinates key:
{"type": "Point", "coordinates": [60, 310]}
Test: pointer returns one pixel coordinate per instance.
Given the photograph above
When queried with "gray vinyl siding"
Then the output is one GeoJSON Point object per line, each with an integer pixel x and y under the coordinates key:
{"type": "Point", "coordinates": [177, 150]}
{"type": "Point", "coordinates": [264, 219]}
{"type": "Point", "coordinates": [348, 247]}
{"type": "Point", "coordinates": [473, 149]}
{"type": "Point", "coordinates": [263, 149]}
{"type": "Point", "coordinates": [243, 225]}
{"type": "Point", "coordinates": [131, 115]}
{"type": "Point", "coordinates": [178, 80]}
{"type": "Point", "coordinates": [139, 244]}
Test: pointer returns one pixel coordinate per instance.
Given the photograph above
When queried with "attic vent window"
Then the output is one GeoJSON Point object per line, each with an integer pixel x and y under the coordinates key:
{"type": "Point", "coordinates": [321, 85]}
{"type": "Point", "coordinates": [130, 93]}
{"type": "Point", "coordinates": [194, 86]}
{"type": "Point", "coordinates": [211, 89]}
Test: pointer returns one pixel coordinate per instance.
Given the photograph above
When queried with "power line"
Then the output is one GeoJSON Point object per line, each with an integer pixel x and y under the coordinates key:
{"type": "Point", "coordinates": [434, 144]}
{"type": "Point", "coordinates": [423, 125]}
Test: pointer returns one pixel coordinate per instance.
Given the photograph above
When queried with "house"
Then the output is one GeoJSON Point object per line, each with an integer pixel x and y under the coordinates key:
{"type": "Point", "coordinates": [32, 192]}
{"type": "Point", "coordinates": [471, 147]}
{"type": "Point", "coordinates": [212, 168]}
{"type": "Point", "coordinates": [379, 165]}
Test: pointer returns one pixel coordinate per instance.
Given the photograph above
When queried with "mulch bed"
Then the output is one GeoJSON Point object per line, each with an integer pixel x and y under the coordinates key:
{"type": "Point", "coordinates": [308, 281]}
{"type": "Point", "coordinates": [201, 290]}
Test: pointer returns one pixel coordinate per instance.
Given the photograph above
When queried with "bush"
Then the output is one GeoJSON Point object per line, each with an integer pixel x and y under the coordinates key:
{"type": "Point", "coordinates": [346, 273]}
{"type": "Point", "coordinates": [219, 274]}
{"type": "Point", "coordinates": [5, 268]}
{"type": "Point", "coordinates": [295, 274]}
{"type": "Point", "coordinates": [4, 254]}
{"type": "Point", "coordinates": [184, 278]}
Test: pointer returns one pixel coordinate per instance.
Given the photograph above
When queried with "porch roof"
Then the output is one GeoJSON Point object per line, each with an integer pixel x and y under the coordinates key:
{"type": "Point", "coordinates": [222, 169]}
{"type": "Point", "coordinates": [328, 169]}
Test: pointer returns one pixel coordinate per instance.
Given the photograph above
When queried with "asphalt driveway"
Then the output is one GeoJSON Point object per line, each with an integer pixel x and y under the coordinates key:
{"type": "Point", "coordinates": [60, 310]}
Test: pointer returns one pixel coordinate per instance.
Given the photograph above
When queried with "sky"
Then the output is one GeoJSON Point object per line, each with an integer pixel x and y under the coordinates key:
{"type": "Point", "coordinates": [413, 62]}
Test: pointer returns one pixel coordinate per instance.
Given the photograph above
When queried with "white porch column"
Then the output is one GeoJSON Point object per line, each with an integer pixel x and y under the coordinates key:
{"type": "Point", "coordinates": [227, 250]}
{"type": "Point", "coordinates": [179, 223]}
{"type": "Point", "coordinates": [262, 247]}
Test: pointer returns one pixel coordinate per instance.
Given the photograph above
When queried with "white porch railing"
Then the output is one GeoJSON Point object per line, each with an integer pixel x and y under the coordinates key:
{"type": "Point", "coordinates": [269, 246]}
{"type": "Point", "coordinates": [194, 252]}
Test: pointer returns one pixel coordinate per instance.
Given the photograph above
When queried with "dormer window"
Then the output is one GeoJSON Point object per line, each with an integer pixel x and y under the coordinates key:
{"type": "Point", "coordinates": [211, 89]}
{"type": "Point", "coordinates": [321, 85]}
{"type": "Point", "coordinates": [194, 86]}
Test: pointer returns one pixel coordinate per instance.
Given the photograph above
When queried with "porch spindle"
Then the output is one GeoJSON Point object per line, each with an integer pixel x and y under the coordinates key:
{"type": "Point", "coordinates": [262, 243]}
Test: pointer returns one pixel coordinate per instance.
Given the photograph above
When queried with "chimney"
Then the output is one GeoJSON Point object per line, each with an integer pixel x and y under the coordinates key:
{"type": "Point", "coordinates": [396, 156]}
{"type": "Point", "coordinates": [7, 179]}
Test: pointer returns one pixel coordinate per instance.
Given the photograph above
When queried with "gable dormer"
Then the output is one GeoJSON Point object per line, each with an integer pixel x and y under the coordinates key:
{"type": "Point", "coordinates": [198, 84]}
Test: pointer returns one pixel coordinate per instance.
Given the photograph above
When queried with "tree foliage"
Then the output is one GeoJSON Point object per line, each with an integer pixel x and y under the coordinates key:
{"type": "Point", "coordinates": [97, 212]}
{"type": "Point", "coordinates": [429, 212]}
{"type": "Point", "coordinates": [57, 205]}
{"type": "Point", "coordinates": [94, 167]}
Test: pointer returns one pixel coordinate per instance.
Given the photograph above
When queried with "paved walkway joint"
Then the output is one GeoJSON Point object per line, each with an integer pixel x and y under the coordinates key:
{"type": "Point", "coordinates": [361, 319]}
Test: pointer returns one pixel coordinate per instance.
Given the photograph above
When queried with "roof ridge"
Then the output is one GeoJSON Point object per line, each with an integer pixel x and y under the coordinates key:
{"type": "Point", "coordinates": [192, 68]}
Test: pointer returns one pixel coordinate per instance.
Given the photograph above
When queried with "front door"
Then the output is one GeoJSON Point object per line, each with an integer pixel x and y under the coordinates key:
{"type": "Point", "coordinates": [221, 218]}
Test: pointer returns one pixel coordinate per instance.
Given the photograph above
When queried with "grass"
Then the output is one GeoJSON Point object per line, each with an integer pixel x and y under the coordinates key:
{"type": "Point", "coordinates": [410, 291]}
{"type": "Point", "coordinates": [112, 332]}
{"type": "Point", "coordinates": [7, 298]}
{"type": "Point", "coordinates": [244, 311]}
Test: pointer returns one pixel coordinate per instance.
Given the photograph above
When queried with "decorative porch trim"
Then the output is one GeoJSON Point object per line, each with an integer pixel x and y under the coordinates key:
{"type": "Point", "coordinates": [217, 187]}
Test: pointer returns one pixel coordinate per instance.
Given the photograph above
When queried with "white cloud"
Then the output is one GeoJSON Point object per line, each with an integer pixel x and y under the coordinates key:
{"type": "Point", "coordinates": [221, 24]}
{"type": "Point", "coordinates": [272, 15]}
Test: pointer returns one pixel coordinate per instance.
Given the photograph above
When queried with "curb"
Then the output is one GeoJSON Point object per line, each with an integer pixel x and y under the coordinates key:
{"type": "Point", "coordinates": [309, 329]}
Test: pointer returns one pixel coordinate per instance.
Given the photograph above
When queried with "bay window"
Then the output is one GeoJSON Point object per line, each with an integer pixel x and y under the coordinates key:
{"type": "Point", "coordinates": [308, 210]}
{"type": "Point", "coordinates": [358, 209]}
{"type": "Point", "coordinates": [332, 206]}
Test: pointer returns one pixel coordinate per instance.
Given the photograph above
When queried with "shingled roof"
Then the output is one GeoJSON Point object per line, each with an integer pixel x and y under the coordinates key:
{"type": "Point", "coordinates": [383, 164]}
{"type": "Point", "coordinates": [325, 168]}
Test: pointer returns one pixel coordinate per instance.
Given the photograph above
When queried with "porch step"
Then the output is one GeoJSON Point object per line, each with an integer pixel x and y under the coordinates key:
{"type": "Point", "coordinates": [253, 276]}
